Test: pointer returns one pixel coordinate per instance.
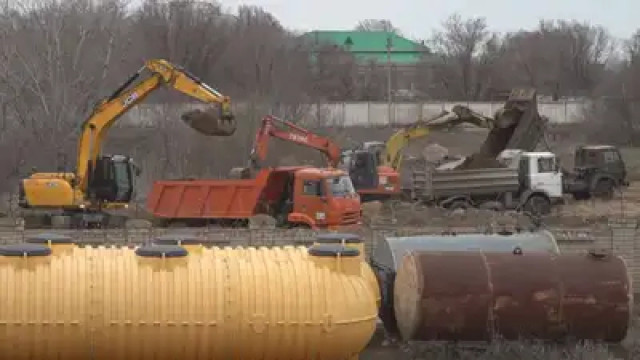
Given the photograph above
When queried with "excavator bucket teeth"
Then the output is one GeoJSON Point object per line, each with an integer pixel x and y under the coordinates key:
{"type": "Point", "coordinates": [210, 122]}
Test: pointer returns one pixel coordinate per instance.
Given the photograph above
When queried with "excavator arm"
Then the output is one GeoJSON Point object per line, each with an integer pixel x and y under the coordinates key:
{"type": "Point", "coordinates": [395, 145]}
{"type": "Point", "coordinates": [285, 130]}
{"type": "Point", "coordinates": [217, 122]}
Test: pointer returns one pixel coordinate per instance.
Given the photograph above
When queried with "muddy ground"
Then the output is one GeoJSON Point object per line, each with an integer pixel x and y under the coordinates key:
{"type": "Point", "coordinates": [382, 349]}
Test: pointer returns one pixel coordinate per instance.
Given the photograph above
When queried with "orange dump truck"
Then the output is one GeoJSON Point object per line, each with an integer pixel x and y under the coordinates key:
{"type": "Point", "coordinates": [298, 196]}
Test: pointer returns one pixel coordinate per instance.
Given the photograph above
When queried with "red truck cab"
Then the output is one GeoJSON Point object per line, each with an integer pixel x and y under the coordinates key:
{"type": "Point", "coordinates": [324, 198]}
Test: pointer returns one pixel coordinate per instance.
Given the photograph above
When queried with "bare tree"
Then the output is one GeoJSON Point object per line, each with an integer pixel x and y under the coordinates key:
{"type": "Point", "coordinates": [560, 57]}
{"type": "Point", "coordinates": [335, 74]}
{"type": "Point", "coordinates": [56, 59]}
{"type": "Point", "coordinates": [459, 47]}
{"type": "Point", "coordinates": [377, 25]}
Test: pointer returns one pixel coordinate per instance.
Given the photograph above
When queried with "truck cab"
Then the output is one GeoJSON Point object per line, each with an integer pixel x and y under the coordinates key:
{"type": "Point", "coordinates": [598, 171]}
{"type": "Point", "coordinates": [540, 172]}
{"type": "Point", "coordinates": [324, 198]}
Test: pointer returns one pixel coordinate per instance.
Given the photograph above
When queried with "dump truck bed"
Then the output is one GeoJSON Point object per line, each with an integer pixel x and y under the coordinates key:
{"type": "Point", "coordinates": [222, 199]}
{"type": "Point", "coordinates": [434, 184]}
{"type": "Point", "coordinates": [518, 126]}
{"type": "Point", "coordinates": [531, 127]}
{"type": "Point", "coordinates": [217, 198]}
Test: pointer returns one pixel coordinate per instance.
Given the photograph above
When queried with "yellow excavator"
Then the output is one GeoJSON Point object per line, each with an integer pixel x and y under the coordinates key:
{"type": "Point", "coordinates": [102, 183]}
{"type": "Point", "coordinates": [516, 125]}
{"type": "Point", "coordinates": [390, 153]}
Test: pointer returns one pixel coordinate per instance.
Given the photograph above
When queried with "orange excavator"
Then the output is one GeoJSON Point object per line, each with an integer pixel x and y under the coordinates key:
{"type": "Point", "coordinates": [371, 181]}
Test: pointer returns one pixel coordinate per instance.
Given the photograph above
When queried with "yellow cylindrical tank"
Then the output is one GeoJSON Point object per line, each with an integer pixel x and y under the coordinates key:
{"type": "Point", "coordinates": [355, 241]}
{"type": "Point", "coordinates": [162, 302]}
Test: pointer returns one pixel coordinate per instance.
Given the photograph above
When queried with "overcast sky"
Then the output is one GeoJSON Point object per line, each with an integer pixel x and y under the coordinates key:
{"type": "Point", "coordinates": [418, 18]}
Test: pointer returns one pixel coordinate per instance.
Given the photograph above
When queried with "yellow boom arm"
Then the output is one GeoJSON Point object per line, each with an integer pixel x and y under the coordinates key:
{"type": "Point", "coordinates": [395, 145]}
{"type": "Point", "coordinates": [109, 110]}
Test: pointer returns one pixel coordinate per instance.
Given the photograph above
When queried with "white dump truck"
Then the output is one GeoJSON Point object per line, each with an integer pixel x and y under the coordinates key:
{"type": "Point", "coordinates": [529, 181]}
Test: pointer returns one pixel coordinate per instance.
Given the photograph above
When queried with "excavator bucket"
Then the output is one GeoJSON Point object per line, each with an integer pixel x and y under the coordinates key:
{"type": "Point", "coordinates": [213, 121]}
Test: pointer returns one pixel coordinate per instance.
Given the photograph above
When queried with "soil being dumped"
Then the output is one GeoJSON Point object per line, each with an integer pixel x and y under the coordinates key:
{"type": "Point", "coordinates": [209, 122]}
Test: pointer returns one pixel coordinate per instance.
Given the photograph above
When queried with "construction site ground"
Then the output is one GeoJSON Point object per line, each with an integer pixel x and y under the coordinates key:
{"type": "Point", "coordinates": [573, 214]}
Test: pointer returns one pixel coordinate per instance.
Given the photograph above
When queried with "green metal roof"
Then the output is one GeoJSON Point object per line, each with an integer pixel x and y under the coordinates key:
{"type": "Point", "coordinates": [370, 45]}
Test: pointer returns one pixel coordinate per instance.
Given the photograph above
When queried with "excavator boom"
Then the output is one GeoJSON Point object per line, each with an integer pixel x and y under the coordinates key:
{"type": "Point", "coordinates": [393, 148]}
{"type": "Point", "coordinates": [218, 122]}
{"type": "Point", "coordinates": [378, 181]}
{"type": "Point", "coordinates": [288, 131]}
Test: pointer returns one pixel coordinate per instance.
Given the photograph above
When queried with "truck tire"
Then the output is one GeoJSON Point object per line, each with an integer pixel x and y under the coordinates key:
{"type": "Point", "coordinates": [458, 205]}
{"type": "Point", "coordinates": [538, 205]}
{"type": "Point", "coordinates": [604, 189]}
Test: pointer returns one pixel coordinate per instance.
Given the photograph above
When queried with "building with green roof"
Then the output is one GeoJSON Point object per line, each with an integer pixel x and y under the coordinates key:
{"type": "Point", "coordinates": [368, 46]}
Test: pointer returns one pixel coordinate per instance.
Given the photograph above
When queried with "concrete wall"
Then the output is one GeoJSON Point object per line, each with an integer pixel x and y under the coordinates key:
{"type": "Point", "coordinates": [620, 236]}
{"type": "Point", "coordinates": [363, 113]}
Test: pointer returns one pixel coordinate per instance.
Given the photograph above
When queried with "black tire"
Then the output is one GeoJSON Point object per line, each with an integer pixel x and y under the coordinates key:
{"type": "Point", "coordinates": [604, 189]}
{"type": "Point", "coordinates": [538, 205]}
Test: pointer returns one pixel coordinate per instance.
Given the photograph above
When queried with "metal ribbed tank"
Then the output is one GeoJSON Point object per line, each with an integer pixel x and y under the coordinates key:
{"type": "Point", "coordinates": [389, 252]}
{"type": "Point", "coordinates": [164, 302]}
{"type": "Point", "coordinates": [476, 296]}
{"type": "Point", "coordinates": [355, 241]}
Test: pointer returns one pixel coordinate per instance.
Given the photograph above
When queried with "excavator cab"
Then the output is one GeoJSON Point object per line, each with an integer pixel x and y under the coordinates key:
{"type": "Point", "coordinates": [363, 169]}
{"type": "Point", "coordinates": [112, 179]}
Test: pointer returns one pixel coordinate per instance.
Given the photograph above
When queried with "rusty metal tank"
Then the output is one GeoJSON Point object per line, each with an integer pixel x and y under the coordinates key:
{"type": "Point", "coordinates": [389, 251]}
{"type": "Point", "coordinates": [478, 296]}
{"type": "Point", "coordinates": [167, 302]}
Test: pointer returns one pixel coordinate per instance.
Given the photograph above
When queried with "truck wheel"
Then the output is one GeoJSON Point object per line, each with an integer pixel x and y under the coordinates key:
{"type": "Point", "coordinates": [538, 205]}
{"type": "Point", "coordinates": [604, 189]}
{"type": "Point", "coordinates": [458, 205]}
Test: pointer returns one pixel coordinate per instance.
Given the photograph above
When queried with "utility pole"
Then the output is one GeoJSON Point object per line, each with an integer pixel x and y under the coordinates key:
{"type": "Point", "coordinates": [389, 46]}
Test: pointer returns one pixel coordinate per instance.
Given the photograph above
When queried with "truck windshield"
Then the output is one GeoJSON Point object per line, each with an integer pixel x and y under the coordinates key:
{"type": "Point", "coordinates": [340, 186]}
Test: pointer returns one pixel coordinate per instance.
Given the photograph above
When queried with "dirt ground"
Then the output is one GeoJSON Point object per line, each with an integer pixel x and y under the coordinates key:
{"type": "Point", "coordinates": [381, 349]}
{"type": "Point", "coordinates": [572, 214]}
